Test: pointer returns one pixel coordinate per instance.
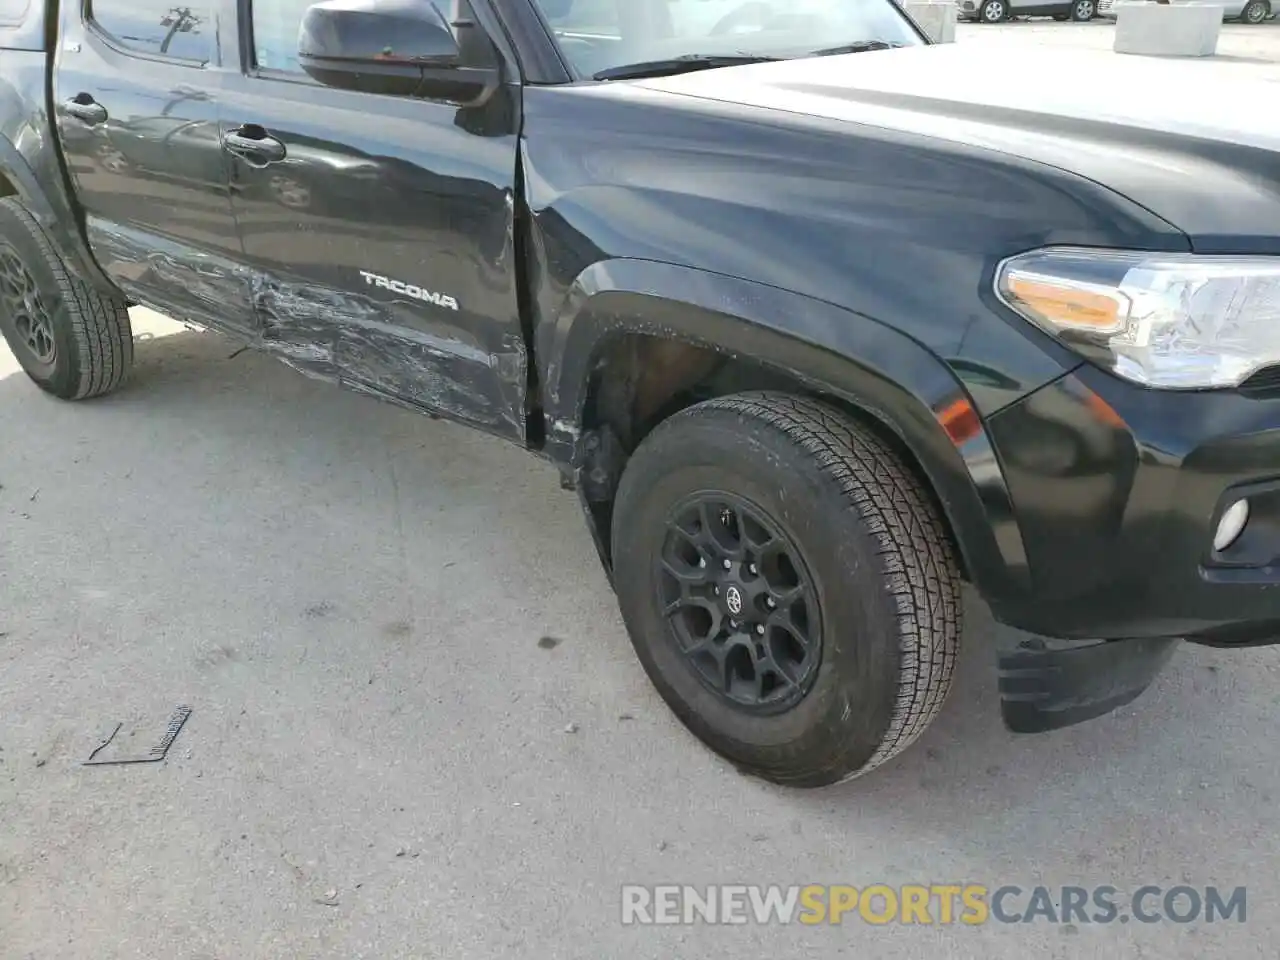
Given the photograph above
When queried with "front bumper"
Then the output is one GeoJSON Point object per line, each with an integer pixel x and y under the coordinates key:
{"type": "Point", "coordinates": [1117, 491]}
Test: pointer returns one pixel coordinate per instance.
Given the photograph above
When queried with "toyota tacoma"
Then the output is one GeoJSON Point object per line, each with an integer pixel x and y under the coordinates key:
{"type": "Point", "coordinates": [819, 319]}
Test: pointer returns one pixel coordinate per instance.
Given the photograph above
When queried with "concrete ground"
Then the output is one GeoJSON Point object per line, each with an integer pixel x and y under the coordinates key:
{"type": "Point", "coordinates": [384, 761]}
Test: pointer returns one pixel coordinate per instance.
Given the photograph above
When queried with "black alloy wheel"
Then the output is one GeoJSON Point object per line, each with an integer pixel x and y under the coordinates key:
{"type": "Point", "coordinates": [740, 602]}
{"type": "Point", "coordinates": [20, 299]}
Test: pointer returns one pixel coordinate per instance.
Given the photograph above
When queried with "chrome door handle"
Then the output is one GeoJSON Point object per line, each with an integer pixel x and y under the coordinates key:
{"type": "Point", "coordinates": [254, 144]}
{"type": "Point", "coordinates": [83, 107]}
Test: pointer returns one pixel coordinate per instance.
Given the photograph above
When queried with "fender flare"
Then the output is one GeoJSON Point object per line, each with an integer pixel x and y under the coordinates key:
{"type": "Point", "coordinates": [17, 171]}
{"type": "Point", "coordinates": [883, 373]}
{"type": "Point", "coordinates": [54, 214]}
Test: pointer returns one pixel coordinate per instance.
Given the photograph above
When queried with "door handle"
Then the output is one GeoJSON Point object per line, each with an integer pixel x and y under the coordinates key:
{"type": "Point", "coordinates": [254, 144]}
{"type": "Point", "coordinates": [83, 107]}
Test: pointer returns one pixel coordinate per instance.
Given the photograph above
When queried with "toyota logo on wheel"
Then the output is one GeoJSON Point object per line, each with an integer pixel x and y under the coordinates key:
{"type": "Point", "coordinates": [733, 600]}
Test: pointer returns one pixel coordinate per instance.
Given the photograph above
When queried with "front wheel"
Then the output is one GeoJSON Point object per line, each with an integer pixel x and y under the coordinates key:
{"type": "Point", "coordinates": [788, 586]}
{"type": "Point", "coordinates": [993, 11]}
{"type": "Point", "coordinates": [1082, 11]}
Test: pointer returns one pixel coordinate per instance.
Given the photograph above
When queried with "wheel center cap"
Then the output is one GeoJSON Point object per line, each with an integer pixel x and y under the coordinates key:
{"type": "Point", "coordinates": [733, 600]}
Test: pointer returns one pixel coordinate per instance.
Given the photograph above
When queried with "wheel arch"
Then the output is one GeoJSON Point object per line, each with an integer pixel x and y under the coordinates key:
{"type": "Point", "coordinates": [55, 214]}
{"type": "Point", "coordinates": [18, 179]}
{"type": "Point", "coordinates": [638, 340]}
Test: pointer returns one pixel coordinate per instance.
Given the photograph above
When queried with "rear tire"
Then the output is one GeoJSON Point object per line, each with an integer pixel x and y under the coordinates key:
{"type": "Point", "coordinates": [804, 672]}
{"type": "Point", "coordinates": [1255, 12]}
{"type": "Point", "coordinates": [993, 11]}
{"type": "Point", "coordinates": [72, 339]}
{"type": "Point", "coordinates": [1082, 11]}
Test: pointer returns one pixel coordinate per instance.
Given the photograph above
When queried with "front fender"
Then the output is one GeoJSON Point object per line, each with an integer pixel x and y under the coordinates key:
{"type": "Point", "coordinates": [833, 351]}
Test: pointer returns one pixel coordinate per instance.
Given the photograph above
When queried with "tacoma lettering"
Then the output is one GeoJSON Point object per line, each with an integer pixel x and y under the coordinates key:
{"type": "Point", "coordinates": [410, 290]}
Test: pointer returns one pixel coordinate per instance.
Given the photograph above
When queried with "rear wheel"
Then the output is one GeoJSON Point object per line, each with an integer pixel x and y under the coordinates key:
{"type": "Point", "coordinates": [1255, 11]}
{"type": "Point", "coordinates": [993, 11]}
{"type": "Point", "coordinates": [788, 586]}
{"type": "Point", "coordinates": [1083, 10]}
{"type": "Point", "coordinates": [73, 340]}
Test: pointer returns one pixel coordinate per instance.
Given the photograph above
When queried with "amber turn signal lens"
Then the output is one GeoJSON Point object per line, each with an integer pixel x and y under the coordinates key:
{"type": "Point", "coordinates": [1064, 304]}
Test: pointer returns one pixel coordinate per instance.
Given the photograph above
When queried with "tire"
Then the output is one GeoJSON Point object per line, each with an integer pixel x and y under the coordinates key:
{"type": "Point", "coordinates": [1255, 12]}
{"type": "Point", "coordinates": [993, 11]}
{"type": "Point", "coordinates": [1082, 11]}
{"type": "Point", "coordinates": [74, 341]}
{"type": "Point", "coordinates": [878, 586]}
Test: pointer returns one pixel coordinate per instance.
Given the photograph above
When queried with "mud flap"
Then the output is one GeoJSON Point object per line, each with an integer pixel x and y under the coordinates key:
{"type": "Point", "coordinates": [1047, 684]}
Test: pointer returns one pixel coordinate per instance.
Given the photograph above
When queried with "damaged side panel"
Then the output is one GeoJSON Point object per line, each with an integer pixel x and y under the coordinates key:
{"type": "Point", "coordinates": [353, 338]}
{"type": "Point", "coordinates": [382, 245]}
{"type": "Point", "coordinates": [389, 349]}
{"type": "Point", "coordinates": [384, 349]}
{"type": "Point", "coordinates": [179, 280]}
{"type": "Point", "coordinates": [344, 337]}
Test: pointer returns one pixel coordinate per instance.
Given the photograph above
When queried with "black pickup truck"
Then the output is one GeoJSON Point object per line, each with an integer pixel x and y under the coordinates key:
{"type": "Point", "coordinates": [819, 319]}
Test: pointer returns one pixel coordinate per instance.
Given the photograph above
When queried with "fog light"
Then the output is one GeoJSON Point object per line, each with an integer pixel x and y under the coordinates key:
{"type": "Point", "coordinates": [1231, 525]}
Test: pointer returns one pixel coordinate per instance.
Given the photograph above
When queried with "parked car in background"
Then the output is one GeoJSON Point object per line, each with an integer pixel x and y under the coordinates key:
{"type": "Point", "coordinates": [994, 11]}
{"type": "Point", "coordinates": [1246, 11]}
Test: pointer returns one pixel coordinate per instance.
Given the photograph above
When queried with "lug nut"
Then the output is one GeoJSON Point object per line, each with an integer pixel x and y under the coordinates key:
{"type": "Point", "coordinates": [760, 629]}
{"type": "Point", "coordinates": [728, 565]}
{"type": "Point", "coordinates": [752, 568]}
{"type": "Point", "coordinates": [770, 602]}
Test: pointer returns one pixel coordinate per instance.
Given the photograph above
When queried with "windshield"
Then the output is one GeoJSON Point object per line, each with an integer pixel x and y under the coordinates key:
{"type": "Point", "coordinates": [600, 36]}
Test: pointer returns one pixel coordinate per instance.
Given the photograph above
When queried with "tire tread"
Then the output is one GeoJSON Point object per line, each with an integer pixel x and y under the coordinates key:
{"type": "Point", "coordinates": [99, 322]}
{"type": "Point", "coordinates": [912, 543]}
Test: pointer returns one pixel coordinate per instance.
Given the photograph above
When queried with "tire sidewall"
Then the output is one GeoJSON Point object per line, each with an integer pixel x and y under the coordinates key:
{"type": "Point", "coordinates": [63, 376]}
{"type": "Point", "coordinates": [853, 695]}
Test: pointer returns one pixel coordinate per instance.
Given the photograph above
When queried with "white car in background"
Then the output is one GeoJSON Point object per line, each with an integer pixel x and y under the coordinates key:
{"type": "Point", "coordinates": [994, 11]}
{"type": "Point", "coordinates": [1246, 11]}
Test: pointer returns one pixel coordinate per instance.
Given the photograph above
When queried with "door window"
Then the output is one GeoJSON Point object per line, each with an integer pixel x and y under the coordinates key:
{"type": "Point", "coordinates": [160, 27]}
{"type": "Point", "coordinates": [275, 33]}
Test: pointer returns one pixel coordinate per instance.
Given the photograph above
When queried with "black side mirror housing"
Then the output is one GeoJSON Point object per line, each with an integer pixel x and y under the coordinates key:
{"type": "Point", "coordinates": [392, 47]}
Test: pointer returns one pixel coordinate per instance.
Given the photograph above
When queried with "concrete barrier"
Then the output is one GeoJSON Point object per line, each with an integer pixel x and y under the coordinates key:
{"type": "Point", "coordinates": [1164, 30]}
{"type": "Point", "coordinates": [937, 18]}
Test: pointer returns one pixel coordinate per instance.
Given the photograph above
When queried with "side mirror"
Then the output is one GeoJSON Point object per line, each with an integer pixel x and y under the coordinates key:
{"type": "Point", "coordinates": [394, 47]}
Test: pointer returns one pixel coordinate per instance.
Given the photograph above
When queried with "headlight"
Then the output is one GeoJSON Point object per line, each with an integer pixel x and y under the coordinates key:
{"type": "Point", "coordinates": [1160, 319]}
